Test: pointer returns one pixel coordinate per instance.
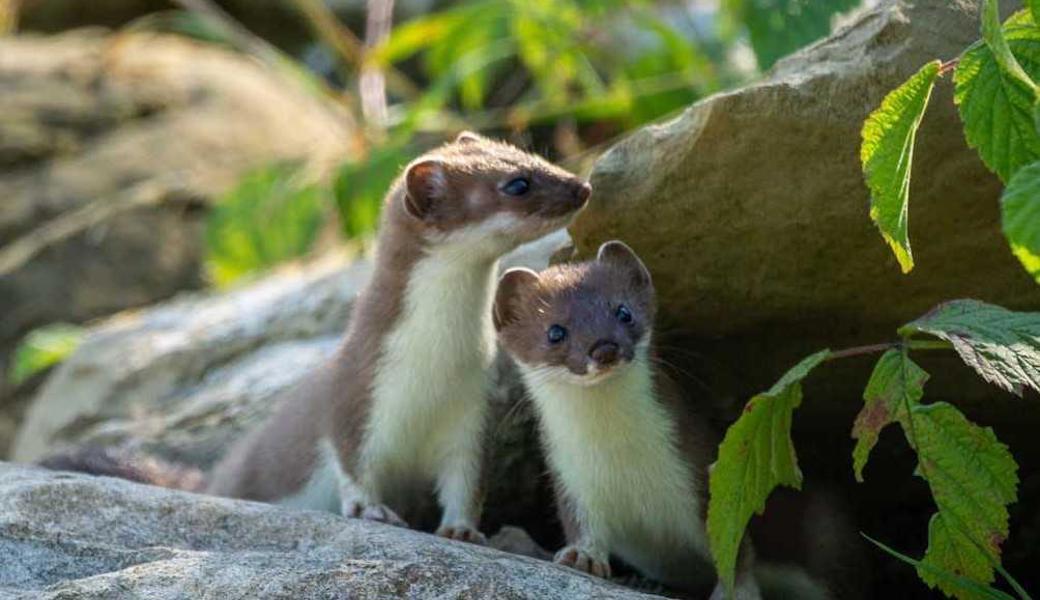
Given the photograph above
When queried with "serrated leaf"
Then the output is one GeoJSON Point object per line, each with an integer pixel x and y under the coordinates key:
{"type": "Point", "coordinates": [993, 33]}
{"type": "Point", "coordinates": [42, 348]}
{"type": "Point", "coordinates": [756, 456]}
{"type": "Point", "coordinates": [973, 478]}
{"type": "Point", "coordinates": [997, 110]}
{"type": "Point", "coordinates": [1001, 345]}
{"type": "Point", "coordinates": [942, 575]}
{"type": "Point", "coordinates": [1020, 207]}
{"type": "Point", "coordinates": [887, 155]}
{"type": "Point", "coordinates": [896, 383]}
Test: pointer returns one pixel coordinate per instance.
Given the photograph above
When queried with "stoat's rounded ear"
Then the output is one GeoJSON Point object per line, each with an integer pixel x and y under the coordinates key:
{"type": "Point", "coordinates": [510, 291]}
{"type": "Point", "coordinates": [425, 183]}
{"type": "Point", "coordinates": [467, 137]}
{"type": "Point", "coordinates": [619, 255]}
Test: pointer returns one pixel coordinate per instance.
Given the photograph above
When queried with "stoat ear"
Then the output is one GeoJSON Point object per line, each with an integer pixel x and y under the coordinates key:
{"type": "Point", "coordinates": [619, 255]}
{"type": "Point", "coordinates": [425, 183]}
{"type": "Point", "coordinates": [467, 137]}
{"type": "Point", "coordinates": [510, 289]}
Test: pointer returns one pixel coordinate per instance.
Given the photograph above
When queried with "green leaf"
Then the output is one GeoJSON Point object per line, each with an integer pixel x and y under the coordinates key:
{"type": "Point", "coordinates": [1020, 206]}
{"type": "Point", "coordinates": [42, 348]}
{"type": "Point", "coordinates": [779, 27]}
{"type": "Point", "coordinates": [756, 456]}
{"type": "Point", "coordinates": [271, 216]}
{"type": "Point", "coordinates": [896, 384]}
{"type": "Point", "coordinates": [997, 109]}
{"type": "Point", "coordinates": [1034, 9]}
{"type": "Point", "coordinates": [361, 186]}
{"type": "Point", "coordinates": [973, 478]}
{"type": "Point", "coordinates": [1001, 345]}
{"type": "Point", "coordinates": [887, 156]}
{"type": "Point", "coordinates": [954, 581]}
{"type": "Point", "coordinates": [993, 33]}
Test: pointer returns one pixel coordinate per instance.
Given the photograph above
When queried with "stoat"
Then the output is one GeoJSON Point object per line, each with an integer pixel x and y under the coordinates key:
{"type": "Point", "coordinates": [628, 457]}
{"type": "Point", "coordinates": [402, 404]}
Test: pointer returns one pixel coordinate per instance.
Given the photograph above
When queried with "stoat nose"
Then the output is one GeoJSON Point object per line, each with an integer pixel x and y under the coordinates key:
{"type": "Point", "coordinates": [605, 353]}
{"type": "Point", "coordinates": [583, 191]}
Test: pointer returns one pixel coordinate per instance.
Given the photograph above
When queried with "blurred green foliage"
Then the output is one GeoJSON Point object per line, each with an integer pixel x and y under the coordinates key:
{"type": "Point", "coordinates": [271, 216]}
{"type": "Point", "coordinates": [597, 68]}
{"type": "Point", "coordinates": [43, 348]}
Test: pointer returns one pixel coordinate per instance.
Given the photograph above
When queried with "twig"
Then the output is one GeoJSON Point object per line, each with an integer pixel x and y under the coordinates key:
{"type": "Point", "coordinates": [948, 66]}
{"type": "Point", "coordinates": [372, 81]}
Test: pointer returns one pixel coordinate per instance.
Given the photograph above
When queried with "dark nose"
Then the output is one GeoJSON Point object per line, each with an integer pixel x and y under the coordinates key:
{"type": "Point", "coordinates": [583, 191]}
{"type": "Point", "coordinates": [605, 353]}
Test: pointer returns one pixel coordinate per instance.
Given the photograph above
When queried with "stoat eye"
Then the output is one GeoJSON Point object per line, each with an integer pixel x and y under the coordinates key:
{"type": "Point", "coordinates": [517, 187]}
{"type": "Point", "coordinates": [623, 314]}
{"type": "Point", "coordinates": [556, 334]}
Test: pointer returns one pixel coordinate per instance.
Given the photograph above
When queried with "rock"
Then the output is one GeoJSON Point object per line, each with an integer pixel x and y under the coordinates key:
{"type": "Point", "coordinates": [111, 149]}
{"type": "Point", "coordinates": [183, 380]}
{"type": "Point", "coordinates": [64, 535]}
{"type": "Point", "coordinates": [751, 212]}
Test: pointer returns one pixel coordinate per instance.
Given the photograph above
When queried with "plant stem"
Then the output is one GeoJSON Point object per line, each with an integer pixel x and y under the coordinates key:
{"type": "Point", "coordinates": [948, 66]}
{"type": "Point", "coordinates": [877, 348]}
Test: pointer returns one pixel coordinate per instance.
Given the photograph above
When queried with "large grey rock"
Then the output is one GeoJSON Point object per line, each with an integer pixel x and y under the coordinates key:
{"type": "Point", "coordinates": [65, 536]}
{"type": "Point", "coordinates": [112, 147]}
{"type": "Point", "coordinates": [751, 212]}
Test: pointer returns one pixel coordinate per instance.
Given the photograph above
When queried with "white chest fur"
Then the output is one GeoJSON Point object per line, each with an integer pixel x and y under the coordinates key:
{"type": "Point", "coordinates": [613, 447]}
{"type": "Point", "coordinates": [428, 394]}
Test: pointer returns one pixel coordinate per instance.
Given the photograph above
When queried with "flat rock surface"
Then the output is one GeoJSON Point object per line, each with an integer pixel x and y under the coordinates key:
{"type": "Point", "coordinates": [65, 536]}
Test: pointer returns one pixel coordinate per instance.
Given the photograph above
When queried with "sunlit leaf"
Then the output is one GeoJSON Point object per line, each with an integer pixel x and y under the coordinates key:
{"type": "Point", "coordinates": [43, 348]}
{"type": "Point", "coordinates": [1020, 206]}
{"type": "Point", "coordinates": [887, 156]}
{"type": "Point", "coordinates": [993, 33]}
{"type": "Point", "coordinates": [896, 384]}
{"type": "Point", "coordinates": [997, 109]}
{"type": "Point", "coordinates": [755, 457]}
{"type": "Point", "coordinates": [1001, 345]}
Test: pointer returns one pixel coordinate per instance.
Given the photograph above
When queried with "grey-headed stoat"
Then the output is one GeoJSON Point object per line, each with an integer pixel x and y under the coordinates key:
{"type": "Point", "coordinates": [402, 404]}
{"type": "Point", "coordinates": [629, 459]}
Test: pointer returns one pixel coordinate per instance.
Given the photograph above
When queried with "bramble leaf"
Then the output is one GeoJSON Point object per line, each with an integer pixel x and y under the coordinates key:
{"type": "Point", "coordinates": [887, 156]}
{"type": "Point", "coordinates": [1001, 345]}
{"type": "Point", "coordinates": [896, 383]}
{"type": "Point", "coordinates": [973, 479]}
{"type": "Point", "coordinates": [996, 109]}
{"type": "Point", "coordinates": [941, 575]}
{"type": "Point", "coordinates": [756, 456]}
{"type": "Point", "coordinates": [1020, 206]}
{"type": "Point", "coordinates": [993, 33]}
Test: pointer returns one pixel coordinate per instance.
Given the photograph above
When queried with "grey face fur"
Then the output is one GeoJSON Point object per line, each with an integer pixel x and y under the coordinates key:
{"type": "Point", "coordinates": [604, 307]}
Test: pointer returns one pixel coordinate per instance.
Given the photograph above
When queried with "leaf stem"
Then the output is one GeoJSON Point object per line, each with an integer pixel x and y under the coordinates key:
{"type": "Point", "coordinates": [948, 66]}
{"type": "Point", "coordinates": [877, 348]}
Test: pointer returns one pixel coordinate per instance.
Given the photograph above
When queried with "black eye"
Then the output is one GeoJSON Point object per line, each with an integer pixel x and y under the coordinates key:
{"type": "Point", "coordinates": [556, 334]}
{"type": "Point", "coordinates": [623, 314]}
{"type": "Point", "coordinates": [517, 187]}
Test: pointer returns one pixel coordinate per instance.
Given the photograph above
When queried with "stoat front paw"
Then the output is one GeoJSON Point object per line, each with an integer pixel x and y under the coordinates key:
{"type": "Point", "coordinates": [585, 560]}
{"type": "Point", "coordinates": [372, 512]}
{"type": "Point", "coordinates": [462, 533]}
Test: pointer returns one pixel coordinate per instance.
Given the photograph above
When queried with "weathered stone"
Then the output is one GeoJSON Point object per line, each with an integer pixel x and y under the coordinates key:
{"type": "Point", "coordinates": [64, 536]}
{"type": "Point", "coordinates": [751, 211]}
{"type": "Point", "coordinates": [111, 149]}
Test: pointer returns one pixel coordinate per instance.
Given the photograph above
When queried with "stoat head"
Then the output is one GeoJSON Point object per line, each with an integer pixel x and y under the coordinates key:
{"type": "Point", "coordinates": [476, 190]}
{"type": "Point", "coordinates": [580, 323]}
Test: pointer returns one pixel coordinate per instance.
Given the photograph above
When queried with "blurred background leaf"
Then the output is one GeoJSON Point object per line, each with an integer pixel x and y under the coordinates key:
{"type": "Point", "coordinates": [271, 216]}
{"type": "Point", "coordinates": [43, 348]}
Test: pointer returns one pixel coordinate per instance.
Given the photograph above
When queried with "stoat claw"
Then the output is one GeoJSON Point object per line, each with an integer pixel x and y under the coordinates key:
{"type": "Point", "coordinates": [372, 512]}
{"type": "Point", "coordinates": [462, 533]}
{"type": "Point", "coordinates": [583, 560]}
